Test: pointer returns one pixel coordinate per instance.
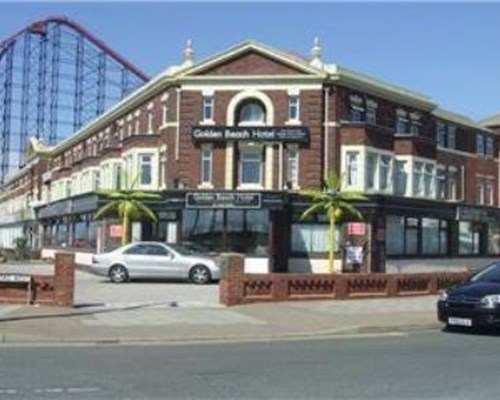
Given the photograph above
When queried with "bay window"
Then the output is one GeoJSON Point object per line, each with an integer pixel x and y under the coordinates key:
{"type": "Point", "coordinates": [352, 168]}
{"type": "Point", "coordinates": [418, 178]}
{"type": "Point", "coordinates": [384, 171]}
{"type": "Point", "coordinates": [371, 169]}
{"type": "Point", "coordinates": [145, 169]}
{"type": "Point", "coordinates": [428, 180]}
{"type": "Point", "coordinates": [401, 178]}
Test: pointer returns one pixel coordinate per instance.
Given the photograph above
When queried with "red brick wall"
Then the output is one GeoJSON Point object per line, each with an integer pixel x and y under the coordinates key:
{"type": "Point", "coordinates": [251, 63]}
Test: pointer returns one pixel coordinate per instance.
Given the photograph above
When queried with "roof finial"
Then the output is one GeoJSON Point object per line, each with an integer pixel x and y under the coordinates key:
{"type": "Point", "coordinates": [188, 53]}
{"type": "Point", "coordinates": [316, 54]}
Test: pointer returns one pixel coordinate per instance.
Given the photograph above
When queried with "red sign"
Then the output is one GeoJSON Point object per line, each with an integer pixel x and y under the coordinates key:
{"type": "Point", "coordinates": [356, 228]}
{"type": "Point", "coordinates": [115, 231]}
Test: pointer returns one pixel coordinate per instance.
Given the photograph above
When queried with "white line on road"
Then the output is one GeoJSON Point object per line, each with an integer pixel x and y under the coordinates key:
{"type": "Point", "coordinates": [83, 390]}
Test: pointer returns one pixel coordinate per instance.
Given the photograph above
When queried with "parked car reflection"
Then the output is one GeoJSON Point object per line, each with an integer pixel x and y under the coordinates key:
{"type": "Point", "coordinates": [156, 260]}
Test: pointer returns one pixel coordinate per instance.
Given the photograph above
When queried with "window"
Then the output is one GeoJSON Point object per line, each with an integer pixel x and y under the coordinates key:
{"type": "Point", "coordinates": [414, 236]}
{"type": "Point", "coordinates": [480, 191]}
{"type": "Point", "coordinates": [415, 123]}
{"type": "Point", "coordinates": [68, 188]}
{"type": "Point", "coordinates": [401, 122]}
{"type": "Point", "coordinates": [371, 112]}
{"type": "Point", "coordinates": [401, 178]}
{"type": "Point", "coordinates": [206, 163]}
{"type": "Point", "coordinates": [441, 192]}
{"type": "Point", "coordinates": [384, 171]}
{"type": "Point", "coordinates": [312, 238]}
{"type": "Point", "coordinates": [371, 169]}
{"type": "Point", "coordinates": [480, 144]}
{"type": "Point", "coordinates": [251, 113]}
{"type": "Point", "coordinates": [208, 108]}
{"type": "Point", "coordinates": [494, 238]}
{"type": "Point", "coordinates": [489, 147]}
{"type": "Point", "coordinates": [452, 137]}
{"type": "Point", "coordinates": [164, 113]}
{"type": "Point", "coordinates": [428, 180]}
{"type": "Point", "coordinates": [145, 168]}
{"type": "Point", "coordinates": [293, 108]}
{"type": "Point", "coordinates": [452, 183]}
{"type": "Point", "coordinates": [293, 166]}
{"type": "Point", "coordinates": [150, 121]}
{"type": "Point", "coordinates": [147, 249]}
{"type": "Point", "coordinates": [441, 134]}
{"type": "Point", "coordinates": [468, 238]}
{"type": "Point", "coordinates": [418, 179]}
{"type": "Point", "coordinates": [357, 109]}
{"type": "Point", "coordinates": [117, 176]}
{"type": "Point", "coordinates": [96, 180]}
{"type": "Point", "coordinates": [352, 163]}
{"type": "Point", "coordinates": [251, 167]}
{"type": "Point", "coordinates": [488, 192]}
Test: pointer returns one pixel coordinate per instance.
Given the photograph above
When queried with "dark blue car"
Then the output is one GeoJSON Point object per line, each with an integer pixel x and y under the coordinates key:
{"type": "Point", "coordinates": [475, 303]}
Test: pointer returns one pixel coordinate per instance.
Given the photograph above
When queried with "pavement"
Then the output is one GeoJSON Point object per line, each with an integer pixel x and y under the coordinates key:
{"type": "Point", "coordinates": [176, 312]}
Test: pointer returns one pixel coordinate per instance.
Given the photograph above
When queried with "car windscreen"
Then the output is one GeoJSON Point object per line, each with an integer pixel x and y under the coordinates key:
{"type": "Point", "coordinates": [489, 274]}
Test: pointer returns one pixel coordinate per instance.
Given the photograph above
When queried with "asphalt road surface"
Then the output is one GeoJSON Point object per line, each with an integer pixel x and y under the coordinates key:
{"type": "Point", "coordinates": [421, 365]}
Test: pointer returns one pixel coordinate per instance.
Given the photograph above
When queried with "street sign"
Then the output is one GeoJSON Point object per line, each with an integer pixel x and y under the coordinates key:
{"type": "Point", "coordinates": [15, 278]}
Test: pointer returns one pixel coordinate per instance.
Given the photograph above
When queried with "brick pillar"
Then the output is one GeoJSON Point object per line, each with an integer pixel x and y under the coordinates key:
{"type": "Point", "coordinates": [231, 284]}
{"type": "Point", "coordinates": [64, 279]}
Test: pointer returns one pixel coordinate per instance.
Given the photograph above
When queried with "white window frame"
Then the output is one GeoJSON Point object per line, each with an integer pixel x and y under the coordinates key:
{"type": "Point", "coordinates": [206, 156]}
{"type": "Point", "coordinates": [294, 103]}
{"type": "Point", "coordinates": [141, 163]}
{"type": "Point", "coordinates": [352, 169]}
{"type": "Point", "coordinates": [293, 176]}
{"type": "Point", "coordinates": [208, 103]}
{"type": "Point", "coordinates": [258, 149]}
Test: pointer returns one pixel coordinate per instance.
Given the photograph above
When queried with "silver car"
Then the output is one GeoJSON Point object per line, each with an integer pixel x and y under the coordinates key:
{"type": "Point", "coordinates": [156, 260]}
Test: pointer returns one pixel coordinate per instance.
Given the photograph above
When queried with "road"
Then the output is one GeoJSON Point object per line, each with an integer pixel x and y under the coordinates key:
{"type": "Point", "coordinates": [420, 365]}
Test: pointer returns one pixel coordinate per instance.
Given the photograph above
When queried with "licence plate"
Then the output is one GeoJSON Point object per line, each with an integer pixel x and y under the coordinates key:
{"type": "Point", "coordinates": [459, 321]}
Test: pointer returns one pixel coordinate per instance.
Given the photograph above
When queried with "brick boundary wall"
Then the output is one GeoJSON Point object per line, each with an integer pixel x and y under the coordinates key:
{"type": "Point", "coordinates": [236, 287]}
{"type": "Point", "coordinates": [54, 290]}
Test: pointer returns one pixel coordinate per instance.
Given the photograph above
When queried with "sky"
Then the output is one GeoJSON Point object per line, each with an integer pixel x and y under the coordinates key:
{"type": "Point", "coordinates": [449, 52]}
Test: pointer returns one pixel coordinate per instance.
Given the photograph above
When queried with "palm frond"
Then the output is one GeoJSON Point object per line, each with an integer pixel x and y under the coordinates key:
{"type": "Point", "coordinates": [144, 196]}
{"type": "Point", "coordinates": [315, 207]}
{"type": "Point", "coordinates": [146, 210]}
{"type": "Point", "coordinates": [352, 195]}
{"type": "Point", "coordinates": [350, 209]}
{"type": "Point", "coordinates": [107, 208]}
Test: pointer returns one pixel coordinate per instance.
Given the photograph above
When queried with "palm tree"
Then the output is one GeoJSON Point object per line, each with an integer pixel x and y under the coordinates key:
{"type": "Point", "coordinates": [128, 204]}
{"type": "Point", "coordinates": [334, 202]}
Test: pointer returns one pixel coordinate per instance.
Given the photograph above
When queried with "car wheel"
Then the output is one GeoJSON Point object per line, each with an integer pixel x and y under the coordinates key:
{"type": "Point", "coordinates": [200, 275]}
{"type": "Point", "coordinates": [118, 274]}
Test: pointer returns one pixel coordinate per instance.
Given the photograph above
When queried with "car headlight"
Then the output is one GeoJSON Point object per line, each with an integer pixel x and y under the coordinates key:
{"type": "Point", "coordinates": [444, 296]}
{"type": "Point", "coordinates": [490, 301]}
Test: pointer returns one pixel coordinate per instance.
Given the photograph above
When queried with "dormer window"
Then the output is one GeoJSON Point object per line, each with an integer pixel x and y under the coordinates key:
{"type": "Point", "coordinates": [357, 109]}
{"type": "Point", "coordinates": [401, 122]}
{"type": "Point", "coordinates": [415, 123]}
{"type": "Point", "coordinates": [251, 112]}
{"type": "Point", "coordinates": [371, 111]}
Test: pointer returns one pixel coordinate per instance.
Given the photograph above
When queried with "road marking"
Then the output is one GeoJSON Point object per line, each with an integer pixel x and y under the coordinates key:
{"type": "Point", "coordinates": [8, 391]}
{"type": "Point", "coordinates": [83, 390]}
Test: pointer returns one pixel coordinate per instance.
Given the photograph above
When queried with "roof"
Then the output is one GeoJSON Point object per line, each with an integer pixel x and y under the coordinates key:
{"type": "Point", "coordinates": [178, 74]}
{"type": "Point", "coordinates": [491, 121]}
{"type": "Point", "coordinates": [459, 119]}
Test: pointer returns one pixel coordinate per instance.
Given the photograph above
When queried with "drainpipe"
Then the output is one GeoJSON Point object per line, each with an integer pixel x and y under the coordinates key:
{"type": "Point", "coordinates": [326, 141]}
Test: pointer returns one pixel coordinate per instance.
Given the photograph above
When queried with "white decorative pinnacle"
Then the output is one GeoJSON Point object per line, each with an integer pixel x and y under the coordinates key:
{"type": "Point", "coordinates": [316, 54]}
{"type": "Point", "coordinates": [188, 54]}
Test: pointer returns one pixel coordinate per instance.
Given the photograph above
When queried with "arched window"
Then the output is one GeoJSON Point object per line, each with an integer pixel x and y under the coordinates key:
{"type": "Point", "coordinates": [251, 112]}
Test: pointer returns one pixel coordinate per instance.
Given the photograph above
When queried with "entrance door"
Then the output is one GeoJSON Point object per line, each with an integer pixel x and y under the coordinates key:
{"type": "Point", "coordinates": [279, 241]}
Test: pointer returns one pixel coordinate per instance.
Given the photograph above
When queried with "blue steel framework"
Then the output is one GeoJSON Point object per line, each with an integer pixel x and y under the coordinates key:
{"type": "Point", "coordinates": [54, 77]}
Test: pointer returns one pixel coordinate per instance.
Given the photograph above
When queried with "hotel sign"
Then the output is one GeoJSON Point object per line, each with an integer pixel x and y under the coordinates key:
{"type": "Point", "coordinates": [285, 134]}
{"type": "Point", "coordinates": [223, 200]}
